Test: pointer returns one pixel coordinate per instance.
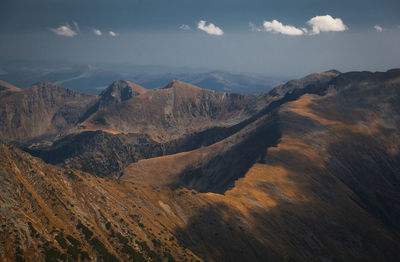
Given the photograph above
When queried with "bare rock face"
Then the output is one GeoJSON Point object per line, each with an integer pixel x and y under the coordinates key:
{"type": "Point", "coordinates": [43, 109]}
{"type": "Point", "coordinates": [118, 92]}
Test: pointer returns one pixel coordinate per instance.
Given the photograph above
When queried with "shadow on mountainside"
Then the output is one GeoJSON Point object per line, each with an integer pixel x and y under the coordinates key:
{"type": "Point", "coordinates": [350, 215]}
{"type": "Point", "coordinates": [220, 173]}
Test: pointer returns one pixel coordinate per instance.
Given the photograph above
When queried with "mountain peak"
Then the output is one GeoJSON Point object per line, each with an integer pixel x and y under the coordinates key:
{"type": "Point", "coordinates": [46, 85]}
{"type": "Point", "coordinates": [179, 84]}
{"type": "Point", "coordinates": [122, 84]}
{"type": "Point", "coordinates": [332, 72]}
{"type": "Point", "coordinates": [119, 91]}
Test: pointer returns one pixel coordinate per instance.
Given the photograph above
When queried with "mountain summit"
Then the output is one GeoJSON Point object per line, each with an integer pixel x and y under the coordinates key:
{"type": "Point", "coordinates": [120, 91]}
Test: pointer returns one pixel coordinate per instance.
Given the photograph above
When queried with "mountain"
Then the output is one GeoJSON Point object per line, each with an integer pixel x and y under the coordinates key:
{"type": "Point", "coordinates": [307, 180]}
{"type": "Point", "coordinates": [180, 117]}
{"type": "Point", "coordinates": [91, 79]}
{"type": "Point", "coordinates": [168, 113]}
{"type": "Point", "coordinates": [221, 81]}
{"type": "Point", "coordinates": [306, 172]}
{"type": "Point", "coordinates": [41, 110]}
{"type": "Point", "coordinates": [7, 89]}
{"type": "Point", "coordinates": [52, 214]}
{"type": "Point", "coordinates": [120, 91]}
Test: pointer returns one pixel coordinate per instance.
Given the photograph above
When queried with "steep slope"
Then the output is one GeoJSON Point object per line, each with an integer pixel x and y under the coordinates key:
{"type": "Point", "coordinates": [51, 214]}
{"type": "Point", "coordinates": [328, 190]}
{"type": "Point", "coordinates": [43, 109]}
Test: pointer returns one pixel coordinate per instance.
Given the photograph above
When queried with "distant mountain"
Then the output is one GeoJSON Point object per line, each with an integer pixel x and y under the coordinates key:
{"type": "Point", "coordinates": [92, 80]}
{"type": "Point", "coordinates": [7, 89]}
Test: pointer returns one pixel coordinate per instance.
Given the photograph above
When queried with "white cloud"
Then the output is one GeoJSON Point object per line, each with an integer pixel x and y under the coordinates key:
{"type": "Point", "coordinates": [185, 28]}
{"type": "Point", "coordinates": [111, 33]}
{"type": "Point", "coordinates": [210, 29]}
{"type": "Point", "coordinates": [278, 28]}
{"type": "Point", "coordinates": [66, 30]}
{"type": "Point", "coordinates": [326, 23]}
{"type": "Point", "coordinates": [97, 32]}
{"type": "Point", "coordinates": [378, 28]}
{"type": "Point", "coordinates": [318, 24]}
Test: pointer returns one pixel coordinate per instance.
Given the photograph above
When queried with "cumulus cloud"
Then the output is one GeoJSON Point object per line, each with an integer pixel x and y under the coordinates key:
{"type": "Point", "coordinates": [111, 33]}
{"type": "Point", "coordinates": [185, 28]}
{"type": "Point", "coordinates": [210, 29]}
{"type": "Point", "coordinates": [318, 25]}
{"type": "Point", "coordinates": [66, 30]}
{"type": "Point", "coordinates": [277, 27]}
{"type": "Point", "coordinates": [326, 23]}
{"type": "Point", "coordinates": [378, 28]}
{"type": "Point", "coordinates": [97, 32]}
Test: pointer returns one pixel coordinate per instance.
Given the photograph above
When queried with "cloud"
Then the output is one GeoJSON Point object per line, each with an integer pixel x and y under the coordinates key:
{"type": "Point", "coordinates": [378, 28]}
{"type": "Point", "coordinates": [111, 33]}
{"type": "Point", "coordinates": [97, 32]}
{"type": "Point", "coordinates": [66, 30]}
{"type": "Point", "coordinates": [318, 24]}
{"type": "Point", "coordinates": [210, 29]}
{"type": "Point", "coordinates": [76, 26]}
{"type": "Point", "coordinates": [185, 28]}
{"type": "Point", "coordinates": [278, 28]}
{"type": "Point", "coordinates": [326, 23]}
{"type": "Point", "coordinates": [254, 28]}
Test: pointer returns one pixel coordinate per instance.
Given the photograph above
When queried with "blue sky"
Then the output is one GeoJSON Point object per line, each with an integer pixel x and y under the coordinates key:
{"type": "Point", "coordinates": [285, 38]}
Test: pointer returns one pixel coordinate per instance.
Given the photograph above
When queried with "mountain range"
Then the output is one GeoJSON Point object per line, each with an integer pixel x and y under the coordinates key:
{"type": "Point", "coordinates": [91, 79]}
{"type": "Point", "coordinates": [308, 171]}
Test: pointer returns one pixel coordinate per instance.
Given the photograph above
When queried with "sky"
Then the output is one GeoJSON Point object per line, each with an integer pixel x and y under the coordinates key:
{"type": "Point", "coordinates": [270, 37]}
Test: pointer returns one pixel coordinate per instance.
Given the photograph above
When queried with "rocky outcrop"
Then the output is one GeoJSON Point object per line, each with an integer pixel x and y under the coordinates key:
{"type": "Point", "coordinates": [118, 92]}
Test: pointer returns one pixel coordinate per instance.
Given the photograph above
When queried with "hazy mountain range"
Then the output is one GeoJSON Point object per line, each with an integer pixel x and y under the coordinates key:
{"type": "Point", "coordinates": [93, 79]}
